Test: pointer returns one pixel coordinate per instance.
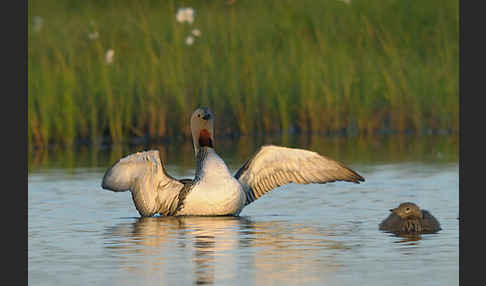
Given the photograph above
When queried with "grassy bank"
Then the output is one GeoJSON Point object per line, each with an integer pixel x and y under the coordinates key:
{"type": "Point", "coordinates": [354, 150]}
{"type": "Point", "coordinates": [262, 66]}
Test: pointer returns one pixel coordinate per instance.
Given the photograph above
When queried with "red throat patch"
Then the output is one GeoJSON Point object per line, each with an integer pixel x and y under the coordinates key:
{"type": "Point", "coordinates": [205, 139]}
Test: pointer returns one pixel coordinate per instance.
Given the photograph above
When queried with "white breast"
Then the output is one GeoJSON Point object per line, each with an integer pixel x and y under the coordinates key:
{"type": "Point", "coordinates": [217, 192]}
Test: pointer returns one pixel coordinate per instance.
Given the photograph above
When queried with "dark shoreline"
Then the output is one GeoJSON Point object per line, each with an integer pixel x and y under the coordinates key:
{"type": "Point", "coordinates": [105, 142]}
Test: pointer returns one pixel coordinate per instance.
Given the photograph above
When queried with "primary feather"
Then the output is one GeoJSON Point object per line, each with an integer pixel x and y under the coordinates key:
{"type": "Point", "coordinates": [274, 166]}
{"type": "Point", "coordinates": [153, 190]}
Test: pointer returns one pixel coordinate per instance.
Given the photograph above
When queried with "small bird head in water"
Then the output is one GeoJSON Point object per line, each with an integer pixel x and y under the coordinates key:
{"type": "Point", "coordinates": [408, 210]}
{"type": "Point", "coordinates": [202, 128]}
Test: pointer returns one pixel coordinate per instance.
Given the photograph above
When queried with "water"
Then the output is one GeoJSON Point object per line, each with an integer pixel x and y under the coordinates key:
{"type": "Point", "coordinates": [79, 234]}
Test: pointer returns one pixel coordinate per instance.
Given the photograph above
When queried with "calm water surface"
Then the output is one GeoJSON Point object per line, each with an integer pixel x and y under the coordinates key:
{"type": "Point", "coordinates": [79, 234]}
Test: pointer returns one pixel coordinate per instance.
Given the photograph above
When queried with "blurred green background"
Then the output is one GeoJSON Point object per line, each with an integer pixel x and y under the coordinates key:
{"type": "Point", "coordinates": [264, 67]}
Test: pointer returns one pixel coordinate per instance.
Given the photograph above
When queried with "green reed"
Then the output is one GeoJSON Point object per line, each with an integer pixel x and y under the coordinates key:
{"type": "Point", "coordinates": [262, 67]}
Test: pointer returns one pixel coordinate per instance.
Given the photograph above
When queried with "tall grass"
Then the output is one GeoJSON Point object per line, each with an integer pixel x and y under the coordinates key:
{"type": "Point", "coordinates": [262, 66]}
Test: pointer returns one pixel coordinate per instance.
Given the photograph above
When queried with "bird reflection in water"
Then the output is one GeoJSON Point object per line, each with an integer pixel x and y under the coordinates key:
{"type": "Point", "coordinates": [222, 249]}
{"type": "Point", "coordinates": [159, 237]}
{"type": "Point", "coordinates": [408, 239]}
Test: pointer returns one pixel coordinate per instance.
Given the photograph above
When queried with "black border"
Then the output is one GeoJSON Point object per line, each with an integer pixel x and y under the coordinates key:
{"type": "Point", "coordinates": [14, 140]}
{"type": "Point", "coordinates": [471, 85]}
{"type": "Point", "coordinates": [21, 36]}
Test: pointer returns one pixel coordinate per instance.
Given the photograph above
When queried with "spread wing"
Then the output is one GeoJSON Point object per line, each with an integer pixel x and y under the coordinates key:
{"type": "Point", "coordinates": [153, 190]}
{"type": "Point", "coordinates": [274, 166]}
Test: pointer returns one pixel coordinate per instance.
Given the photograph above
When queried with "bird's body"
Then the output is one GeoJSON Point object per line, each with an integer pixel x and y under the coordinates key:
{"type": "Point", "coordinates": [408, 218]}
{"type": "Point", "coordinates": [214, 191]}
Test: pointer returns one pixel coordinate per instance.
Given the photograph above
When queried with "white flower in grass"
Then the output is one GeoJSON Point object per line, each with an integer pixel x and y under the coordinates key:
{"type": "Point", "coordinates": [93, 36]}
{"type": "Point", "coordinates": [37, 22]}
{"type": "Point", "coordinates": [185, 15]}
{"type": "Point", "coordinates": [109, 56]}
{"type": "Point", "coordinates": [189, 40]}
{"type": "Point", "coordinates": [196, 32]}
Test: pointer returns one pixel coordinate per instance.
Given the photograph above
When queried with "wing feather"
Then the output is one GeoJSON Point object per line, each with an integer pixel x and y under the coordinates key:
{"type": "Point", "coordinates": [274, 166]}
{"type": "Point", "coordinates": [143, 174]}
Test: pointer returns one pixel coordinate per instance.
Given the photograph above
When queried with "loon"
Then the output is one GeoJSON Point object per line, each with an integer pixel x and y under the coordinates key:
{"type": "Point", "coordinates": [408, 218]}
{"type": "Point", "coordinates": [214, 191]}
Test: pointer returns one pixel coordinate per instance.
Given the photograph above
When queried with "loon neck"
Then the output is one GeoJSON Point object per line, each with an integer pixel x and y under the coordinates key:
{"type": "Point", "coordinates": [208, 163]}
